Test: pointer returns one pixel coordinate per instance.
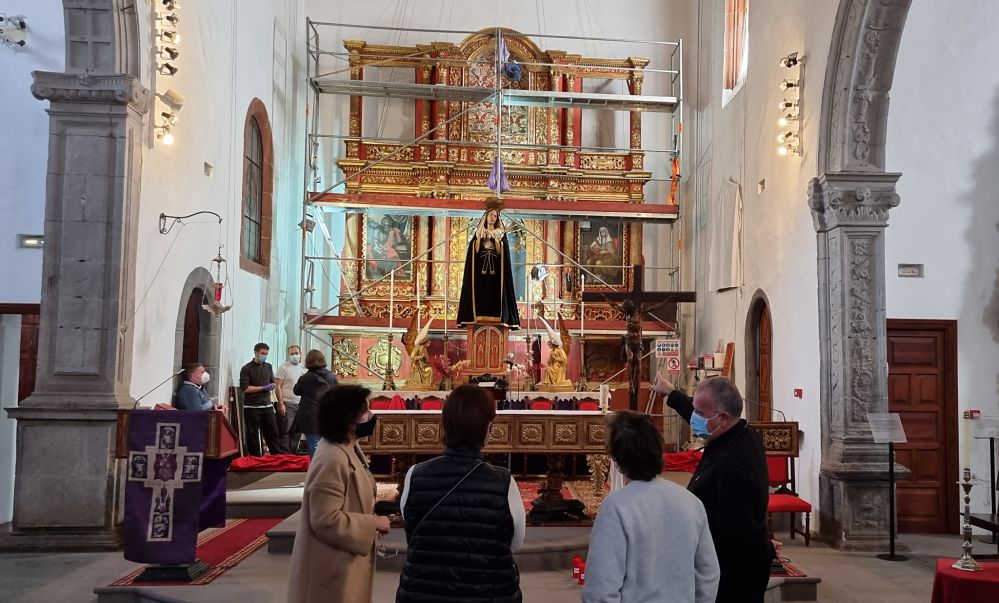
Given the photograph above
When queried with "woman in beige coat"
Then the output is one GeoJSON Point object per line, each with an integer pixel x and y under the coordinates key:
{"type": "Point", "coordinates": [334, 554]}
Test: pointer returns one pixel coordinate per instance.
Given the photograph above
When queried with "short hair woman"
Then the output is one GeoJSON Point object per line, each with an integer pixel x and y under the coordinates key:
{"type": "Point", "coordinates": [464, 517]}
{"type": "Point", "coordinates": [334, 554]}
{"type": "Point", "coordinates": [650, 541]}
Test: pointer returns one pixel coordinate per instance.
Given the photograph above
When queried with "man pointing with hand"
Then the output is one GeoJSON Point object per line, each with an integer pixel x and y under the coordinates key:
{"type": "Point", "coordinates": [731, 482]}
{"type": "Point", "coordinates": [256, 380]}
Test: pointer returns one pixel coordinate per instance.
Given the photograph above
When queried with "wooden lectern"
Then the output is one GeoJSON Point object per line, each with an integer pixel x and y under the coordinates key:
{"type": "Point", "coordinates": [222, 441]}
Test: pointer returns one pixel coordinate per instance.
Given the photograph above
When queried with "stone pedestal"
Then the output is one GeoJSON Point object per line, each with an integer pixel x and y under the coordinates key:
{"type": "Point", "coordinates": [67, 491]}
{"type": "Point", "coordinates": [850, 212]}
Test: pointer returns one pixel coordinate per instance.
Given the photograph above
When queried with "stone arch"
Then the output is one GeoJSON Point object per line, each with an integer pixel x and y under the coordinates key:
{"type": "Point", "coordinates": [210, 328]}
{"type": "Point", "coordinates": [757, 304]}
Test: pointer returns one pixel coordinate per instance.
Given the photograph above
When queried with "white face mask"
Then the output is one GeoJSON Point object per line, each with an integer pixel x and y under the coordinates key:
{"type": "Point", "coordinates": [205, 378]}
{"type": "Point", "coordinates": [295, 358]}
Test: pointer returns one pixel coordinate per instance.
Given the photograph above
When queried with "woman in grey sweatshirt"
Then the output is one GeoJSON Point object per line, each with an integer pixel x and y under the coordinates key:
{"type": "Point", "coordinates": [650, 541]}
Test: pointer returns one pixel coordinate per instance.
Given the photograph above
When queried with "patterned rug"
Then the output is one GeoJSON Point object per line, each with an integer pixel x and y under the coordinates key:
{"type": "Point", "coordinates": [221, 548]}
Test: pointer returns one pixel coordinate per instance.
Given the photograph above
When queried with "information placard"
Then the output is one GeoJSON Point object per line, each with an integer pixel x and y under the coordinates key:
{"type": "Point", "coordinates": [985, 427]}
{"type": "Point", "coordinates": [669, 350]}
{"type": "Point", "coordinates": [886, 428]}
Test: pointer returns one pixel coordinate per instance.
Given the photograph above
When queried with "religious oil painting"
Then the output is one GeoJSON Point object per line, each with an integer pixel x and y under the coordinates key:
{"type": "Point", "coordinates": [600, 250]}
{"type": "Point", "coordinates": [388, 246]}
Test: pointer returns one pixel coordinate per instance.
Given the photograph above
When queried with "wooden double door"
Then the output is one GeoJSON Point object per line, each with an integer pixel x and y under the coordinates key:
{"type": "Point", "coordinates": [922, 388]}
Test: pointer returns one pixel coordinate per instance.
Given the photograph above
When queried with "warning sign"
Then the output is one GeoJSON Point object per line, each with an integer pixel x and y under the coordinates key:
{"type": "Point", "coordinates": [669, 349]}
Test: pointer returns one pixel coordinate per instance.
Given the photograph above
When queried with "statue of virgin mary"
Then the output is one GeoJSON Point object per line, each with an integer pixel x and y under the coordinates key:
{"type": "Point", "coordinates": [487, 293]}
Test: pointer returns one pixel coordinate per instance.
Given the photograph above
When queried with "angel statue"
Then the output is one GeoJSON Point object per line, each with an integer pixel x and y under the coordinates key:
{"type": "Point", "coordinates": [554, 378]}
{"type": "Point", "coordinates": [421, 374]}
{"type": "Point", "coordinates": [487, 293]}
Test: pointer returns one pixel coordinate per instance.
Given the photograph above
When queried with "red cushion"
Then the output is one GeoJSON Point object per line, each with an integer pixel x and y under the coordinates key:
{"type": "Point", "coordinates": [589, 406]}
{"type": "Point", "coordinates": [379, 405]}
{"type": "Point", "coordinates": [431, 405]}
{"type": "Point", "coordinates": [271, 462]}
{"type": "Point", "coordinates": [541, 405]}
{"type": "Point", "coordinates": [777, 469]}
{"type": "Point", "coordinates": [787, 503]}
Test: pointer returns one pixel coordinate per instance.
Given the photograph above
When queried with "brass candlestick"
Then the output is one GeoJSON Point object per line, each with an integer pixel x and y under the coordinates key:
{"type": "Point", "coordinates": [967, 562]}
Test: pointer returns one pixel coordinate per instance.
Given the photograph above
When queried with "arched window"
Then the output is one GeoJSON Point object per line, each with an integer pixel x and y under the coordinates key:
{"type": "Point", "coordinates": [736, 52]}
{"type": "Point", "coordinates": [258, 185]}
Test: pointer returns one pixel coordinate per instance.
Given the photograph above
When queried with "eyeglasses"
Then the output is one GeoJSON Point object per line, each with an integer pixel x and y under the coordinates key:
{"type": "Point", "coordinates": [381, 550]}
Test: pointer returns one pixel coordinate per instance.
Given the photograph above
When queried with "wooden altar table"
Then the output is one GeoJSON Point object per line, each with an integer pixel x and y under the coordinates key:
{"type": "Point", "coordinates": [554, 434]}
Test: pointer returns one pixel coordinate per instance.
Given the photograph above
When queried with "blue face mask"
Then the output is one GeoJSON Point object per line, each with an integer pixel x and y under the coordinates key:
{"type": "Point", "coordinates": [261, 358]}
{"type": "Point", "coordinates": [699, 424]}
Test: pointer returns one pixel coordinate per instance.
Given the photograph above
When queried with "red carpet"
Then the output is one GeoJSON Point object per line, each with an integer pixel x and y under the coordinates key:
{"type": "Point", "coordinates": [220, 548]}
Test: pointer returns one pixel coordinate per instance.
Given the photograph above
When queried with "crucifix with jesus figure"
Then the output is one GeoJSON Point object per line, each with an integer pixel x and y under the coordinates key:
{"type": "Point", "coordinates": [635, 305]}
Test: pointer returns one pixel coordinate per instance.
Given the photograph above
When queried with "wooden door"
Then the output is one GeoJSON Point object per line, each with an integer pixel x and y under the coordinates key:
{"type": "Point", "coordinates": [192, 328]}
{"type": "Point", "coordinates": [922, 388]}
{"type": "Point", "coordinates": [764, 364]}
{"type": "Point", "coordinates": [29, 355]}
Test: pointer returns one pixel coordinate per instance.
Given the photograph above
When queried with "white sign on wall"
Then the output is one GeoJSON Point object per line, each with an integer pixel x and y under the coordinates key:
{"type": "Point", "coordinates": [669, 350]}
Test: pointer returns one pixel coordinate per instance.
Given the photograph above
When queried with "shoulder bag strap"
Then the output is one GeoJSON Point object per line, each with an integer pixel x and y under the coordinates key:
{"type": "Point", "coordinates": [448, 493]}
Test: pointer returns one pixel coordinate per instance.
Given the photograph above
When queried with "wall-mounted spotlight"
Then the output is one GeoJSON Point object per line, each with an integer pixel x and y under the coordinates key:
{"type": "Point", "coordinates": [169, 119]}
{"type": "Point", "coordinates": [170, 36]}
{"type": "Point", "coordinates": [165, 133]}
{"type": "Point", "coordinates": [788, 84]}
{"type": "Point", "coordinates": [173, 99]}
{"type": "Point", "coordinates": [785, 136]}
{"type": "Point", "coordinates": [786, 119]}
{"type": "Point", "coordinates": [13, 31]}
{"type": "Point", "coordinates": [787, 105]}
{"type": "Point", "coordinates": [168, 69]}
{"type": "Point", "coordinates": [171, 4]}
{"type": "Point", "coordinates": [308, 223]}
{"type": "Point", "coordinates": [790, 147]}
{"type": "Point", "coordinates": [169, 52]}
{"type": "Point", "coordinates": [790, 60]}
{"type": "Point", "coordinates": [171, 18]}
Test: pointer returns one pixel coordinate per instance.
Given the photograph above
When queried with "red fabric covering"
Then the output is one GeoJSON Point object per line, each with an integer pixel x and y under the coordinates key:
{"type": "Point", "coordinates": [431, 405]}
{"type": "Point", "coordinates": [271, 462]}
{"type": "Point", "coordinates": [787, 503]}
{"type": "Point", "coordinates": [541, 405]}
{"type": "Point", "coordinates": [957, 586]}
{"type": "Point", "coordinates": [397, 403]}
{"type": "Point", "coordinates": [589, 406]}
{"type": "Point", "coordinates": [380, 404]}
{"type": "Point", "coordinates": [777, 469]}
{"type": "Point", "coordinates": [682, 461]}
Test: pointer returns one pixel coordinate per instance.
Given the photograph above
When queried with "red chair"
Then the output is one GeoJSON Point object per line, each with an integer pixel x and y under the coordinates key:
{"type": "Point", "coordinates": [589, 406]}
{"type": "Point", "coordinates": [541, 405]}
{"type": "Point", "coordinates": [379, 404]}
{"type": "Point", "coordinates": [785, 499]}
{"type": "Point", "coordinates": [432, 404]}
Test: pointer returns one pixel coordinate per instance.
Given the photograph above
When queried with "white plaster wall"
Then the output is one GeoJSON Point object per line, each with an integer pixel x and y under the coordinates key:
{"type": "Point", "coordinates": [738, 142]}
{"type": "Point", "coordinates": [943, 135]}
{"type": "Point", "coordinates": [24, 145]}
{"type": "Point", "coordinates": [636, 20]}
{"type": "Point", "coordinates": [231, 52]}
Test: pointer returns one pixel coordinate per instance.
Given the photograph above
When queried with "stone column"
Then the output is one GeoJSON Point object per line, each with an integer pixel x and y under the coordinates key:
{"type": "Point", "coordinates": [68, 486]}
{"type": "Point", "coordinates": [850, 212]}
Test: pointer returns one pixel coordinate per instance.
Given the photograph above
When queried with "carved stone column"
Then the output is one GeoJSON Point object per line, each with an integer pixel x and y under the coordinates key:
{"type": "Point", "coordinates": [68, 485]}
{"type": "Point", "coordinates": [850, 212]}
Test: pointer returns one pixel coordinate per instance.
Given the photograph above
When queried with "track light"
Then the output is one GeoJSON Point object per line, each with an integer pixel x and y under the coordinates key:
{"type": "Point", "coordinates": [165, 134]}
{"type": "Point", "coordinates": [790, 60]}
{"type": "Point", "coordinates": [169, 119]}
{"type": "Point", "coordinates": [787, 105]}
{"type": "Point", "coordinates": [169, 52]}
{"type": "Point", "coordinates": [170, 36]}
{"type": "Point", "coordinates": [786, 119]}
{"type": "Point", "coordinates": [788, 84]}
{"type": "Point", "coordinates": [171, 4]}
{"type": "Point", "coordinates": [785, 136]}
{"type": "Point", "coordinates": [13, 31]}
{"type": "Point", "coordinates": [168, 69]}
{"type": "Point", "coordinates": [172, 19]}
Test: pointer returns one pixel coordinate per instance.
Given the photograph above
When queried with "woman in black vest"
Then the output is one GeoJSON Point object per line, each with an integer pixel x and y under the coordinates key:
{"type": "Point", "coordinates": [464, 517]}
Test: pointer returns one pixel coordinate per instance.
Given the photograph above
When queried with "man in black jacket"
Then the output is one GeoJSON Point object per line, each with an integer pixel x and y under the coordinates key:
{"type": "Point", "coordinates": [731, 482]}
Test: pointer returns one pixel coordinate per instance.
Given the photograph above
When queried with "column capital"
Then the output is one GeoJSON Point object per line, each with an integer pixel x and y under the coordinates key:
{"type": "Point", "coordinates": [117, 88]}
{"type": "Point", "coordinates": [852, 199]}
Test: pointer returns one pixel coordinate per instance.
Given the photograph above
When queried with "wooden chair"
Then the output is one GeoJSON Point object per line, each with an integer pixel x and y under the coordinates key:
{"type": "Point", "coordinates": [379, 404]}
{"type": "Point", "coordinates": [589, 406]}
{"type": "Point", "coordinates": [541, 405]}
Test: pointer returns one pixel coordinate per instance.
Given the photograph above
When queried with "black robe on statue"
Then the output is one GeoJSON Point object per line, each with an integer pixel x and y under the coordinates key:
{"type": "Point", "coordinates": [487, 293]}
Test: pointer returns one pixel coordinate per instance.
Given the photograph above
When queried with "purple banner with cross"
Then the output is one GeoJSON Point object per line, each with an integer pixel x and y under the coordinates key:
{"type": "Point", "coordinates": [163, 495]}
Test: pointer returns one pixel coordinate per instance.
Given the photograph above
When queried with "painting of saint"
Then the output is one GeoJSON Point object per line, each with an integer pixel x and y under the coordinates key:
{"type": "Point", "coordinates": [600, 251]}
{"type": "Point", "coordinates": [487, 291]}
{"type": "Point", "coordinates": [388, 246]}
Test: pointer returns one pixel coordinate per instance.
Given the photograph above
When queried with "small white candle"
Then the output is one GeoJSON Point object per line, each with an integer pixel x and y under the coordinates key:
{"type": "Point", "coordinates": [965, 440]}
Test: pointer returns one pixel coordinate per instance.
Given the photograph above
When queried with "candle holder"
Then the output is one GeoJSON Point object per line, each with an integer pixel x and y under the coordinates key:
{"type": "Point", "coordinates": [967, 562]}
{"type": "Point", "coordinates": [389, 383]}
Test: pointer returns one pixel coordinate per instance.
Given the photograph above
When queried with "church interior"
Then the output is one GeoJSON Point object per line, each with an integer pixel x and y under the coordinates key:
{"type": "Point", "coordinates": [564, 203]}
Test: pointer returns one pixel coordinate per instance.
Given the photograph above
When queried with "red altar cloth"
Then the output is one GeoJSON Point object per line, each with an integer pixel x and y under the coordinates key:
{"type": "Point", "coordinates": [271, 462]}
{"type": "Point", "coordinates": [957, 586]}
{"type": "Point", "coordinates": [682, 461]}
